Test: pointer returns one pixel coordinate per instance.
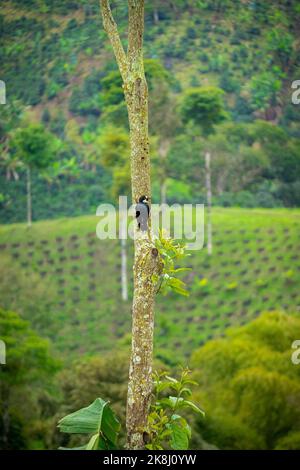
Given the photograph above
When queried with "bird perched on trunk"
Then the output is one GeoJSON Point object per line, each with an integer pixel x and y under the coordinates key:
{"type": "Point", "coordinates": [142, 211]}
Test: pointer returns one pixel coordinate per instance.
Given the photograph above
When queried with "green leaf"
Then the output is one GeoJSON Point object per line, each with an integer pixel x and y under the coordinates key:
{"type": "Point", "coordinates": [97, 418]}
{"type": "Point", "coordinates": [110, 425]}
{"type": "Point", "coordinates": [84, 421]}
{"type": "Point", "coordinates": [104, 444]}
{"type": "Point", "coordinates": [179, 270]}
{"type": "Point", "coordinates": [171, 379]}
{"type": "Point", "coordinates": [186, 390]}
{"type": "Point", "coordinates": [173, 281]}
{"type": "Point", "coordinates": [179, 436]}
{"type": "Point", "coordinates": [93, 442]}
{"type": "Point", "coordinates": [180, 291]}
{"type": "Point", "coordinates": [189, 381]}
{"type": "Point", "coordinates": [73, 448]}
{"type": "Point", "coordinates": [162, 386]}
{"type": "Point", "coordinates": [169, 402]}
{"type": "Point", "coordinates": [179, 402]}
{"type": "Point", "coordinates": [193, 406]}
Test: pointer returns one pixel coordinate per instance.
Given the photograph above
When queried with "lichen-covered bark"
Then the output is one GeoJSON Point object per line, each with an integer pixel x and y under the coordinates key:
{"type": "Point", "coordinates": [146, 263]}
{"type": "Point", "coordinates": [140, 372]}
{"type": "Point", "coordinates": [124, 286]}
{"type": "Point", "coordinates": [146, 259]}
{"type": "Point", "coordinates": [111, 28]}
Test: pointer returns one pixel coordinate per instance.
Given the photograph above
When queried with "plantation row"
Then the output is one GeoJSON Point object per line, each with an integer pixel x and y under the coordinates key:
{"type": "Point", "coordinates": [254, 267]}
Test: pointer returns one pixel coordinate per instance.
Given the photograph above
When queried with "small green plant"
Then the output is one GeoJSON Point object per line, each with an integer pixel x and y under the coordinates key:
{"type": "Point", "coordinates": [288, 276]}
{"type": "Point", "coordinates": [231, 286]}
{"type": "Point", "coordinates": [97, 420]}
{"type": "Point", "coordinates": [170, 252]}
{"type": "Point", "coordinates": [203, 282]}
{"type": "Point", "coordinates": [167, 428]}
{"type": "Point", "coordinates": [261, 283]}
{"type": "Point", "coordinates": [204, 285]}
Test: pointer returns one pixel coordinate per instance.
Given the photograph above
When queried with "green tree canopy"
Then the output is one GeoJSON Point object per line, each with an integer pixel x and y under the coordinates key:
{"type": "Point", "coordinates": [249, 385]}
{"type": "Point", "coordinates": [204, 107]}
{"type": "Point", "coordinates": [34, 146]}
{"type": "Point", "coordinates": [28, 364]}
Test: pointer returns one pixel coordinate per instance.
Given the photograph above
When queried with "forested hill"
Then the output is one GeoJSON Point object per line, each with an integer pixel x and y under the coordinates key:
{"type": "Point", "coordinates": [56, 58]}
{"type": "Point", "coordinates": [248, 48]}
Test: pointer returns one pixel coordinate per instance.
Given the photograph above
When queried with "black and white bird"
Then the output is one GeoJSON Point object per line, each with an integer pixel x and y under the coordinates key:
{"type": "Point", "coordinates": [142, 211]}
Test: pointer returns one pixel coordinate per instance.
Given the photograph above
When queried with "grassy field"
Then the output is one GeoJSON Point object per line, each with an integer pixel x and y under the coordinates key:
{"type": "Point", "coordinates": [67, 282]}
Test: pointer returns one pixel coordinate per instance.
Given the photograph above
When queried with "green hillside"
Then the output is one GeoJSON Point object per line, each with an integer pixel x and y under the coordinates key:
{"type": "Point", "coordinates": [67, 282]}
{"type": "Point", "coordinates": [59, 70]}
{"type": "Point", "coordinates": [222, 43]}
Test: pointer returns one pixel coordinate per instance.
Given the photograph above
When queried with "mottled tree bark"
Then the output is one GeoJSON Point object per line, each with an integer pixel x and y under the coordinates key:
{"type": "Point", "coordinates": [146, 258]}
{"type": "Point", "coordinates": [124, 286]}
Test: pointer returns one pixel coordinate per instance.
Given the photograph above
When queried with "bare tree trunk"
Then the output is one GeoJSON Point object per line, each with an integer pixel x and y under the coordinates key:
{"type": "Point", "coordinates": [221, 182]}
{"type": "Point", "coordinates": [146, 257]}
{"type": "Point", "coordinates": [208, 192]}
{"type": "Point", "coordinates": [163, 192]}
{"type": "Point", "coordinates": [29, 205]}
{"type": "Point", "coordinates": [163, 154]}
{"type": "Point", "coordinates": [124, 283]}
{"type": "Point", "coordinates": [155, 14]}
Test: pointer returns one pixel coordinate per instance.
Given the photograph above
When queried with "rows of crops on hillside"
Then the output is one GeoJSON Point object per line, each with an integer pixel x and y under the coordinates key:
{"type": "Point", "coordinates": [255, 267]}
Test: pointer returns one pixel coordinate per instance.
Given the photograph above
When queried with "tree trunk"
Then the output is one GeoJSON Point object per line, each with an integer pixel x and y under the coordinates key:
{"type": "Point", "coordinates": [123, 236]}
{"type": "Point", "coordinates": [208, 212]}
{"type": "Point", "coordinates": [124, 284]}
{"type": "Point", "coordinates": [146, 257]}
{"type": "Point", "coordinates": [163, 150]}
{"type": "Point", "coordinates": [29, 205]}
{"type": "Point", "coordinates": [145, 265]}
{"type": "Point", "coordinates": [163, 192]}
{"type": "Point", "coordinates": [155, 15]}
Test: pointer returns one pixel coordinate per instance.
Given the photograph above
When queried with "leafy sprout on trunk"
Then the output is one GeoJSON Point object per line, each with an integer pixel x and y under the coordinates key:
{"type": "Point", "coordinates": [167, 428]}
{"type": "Point", "coordinates": [170, 252]}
